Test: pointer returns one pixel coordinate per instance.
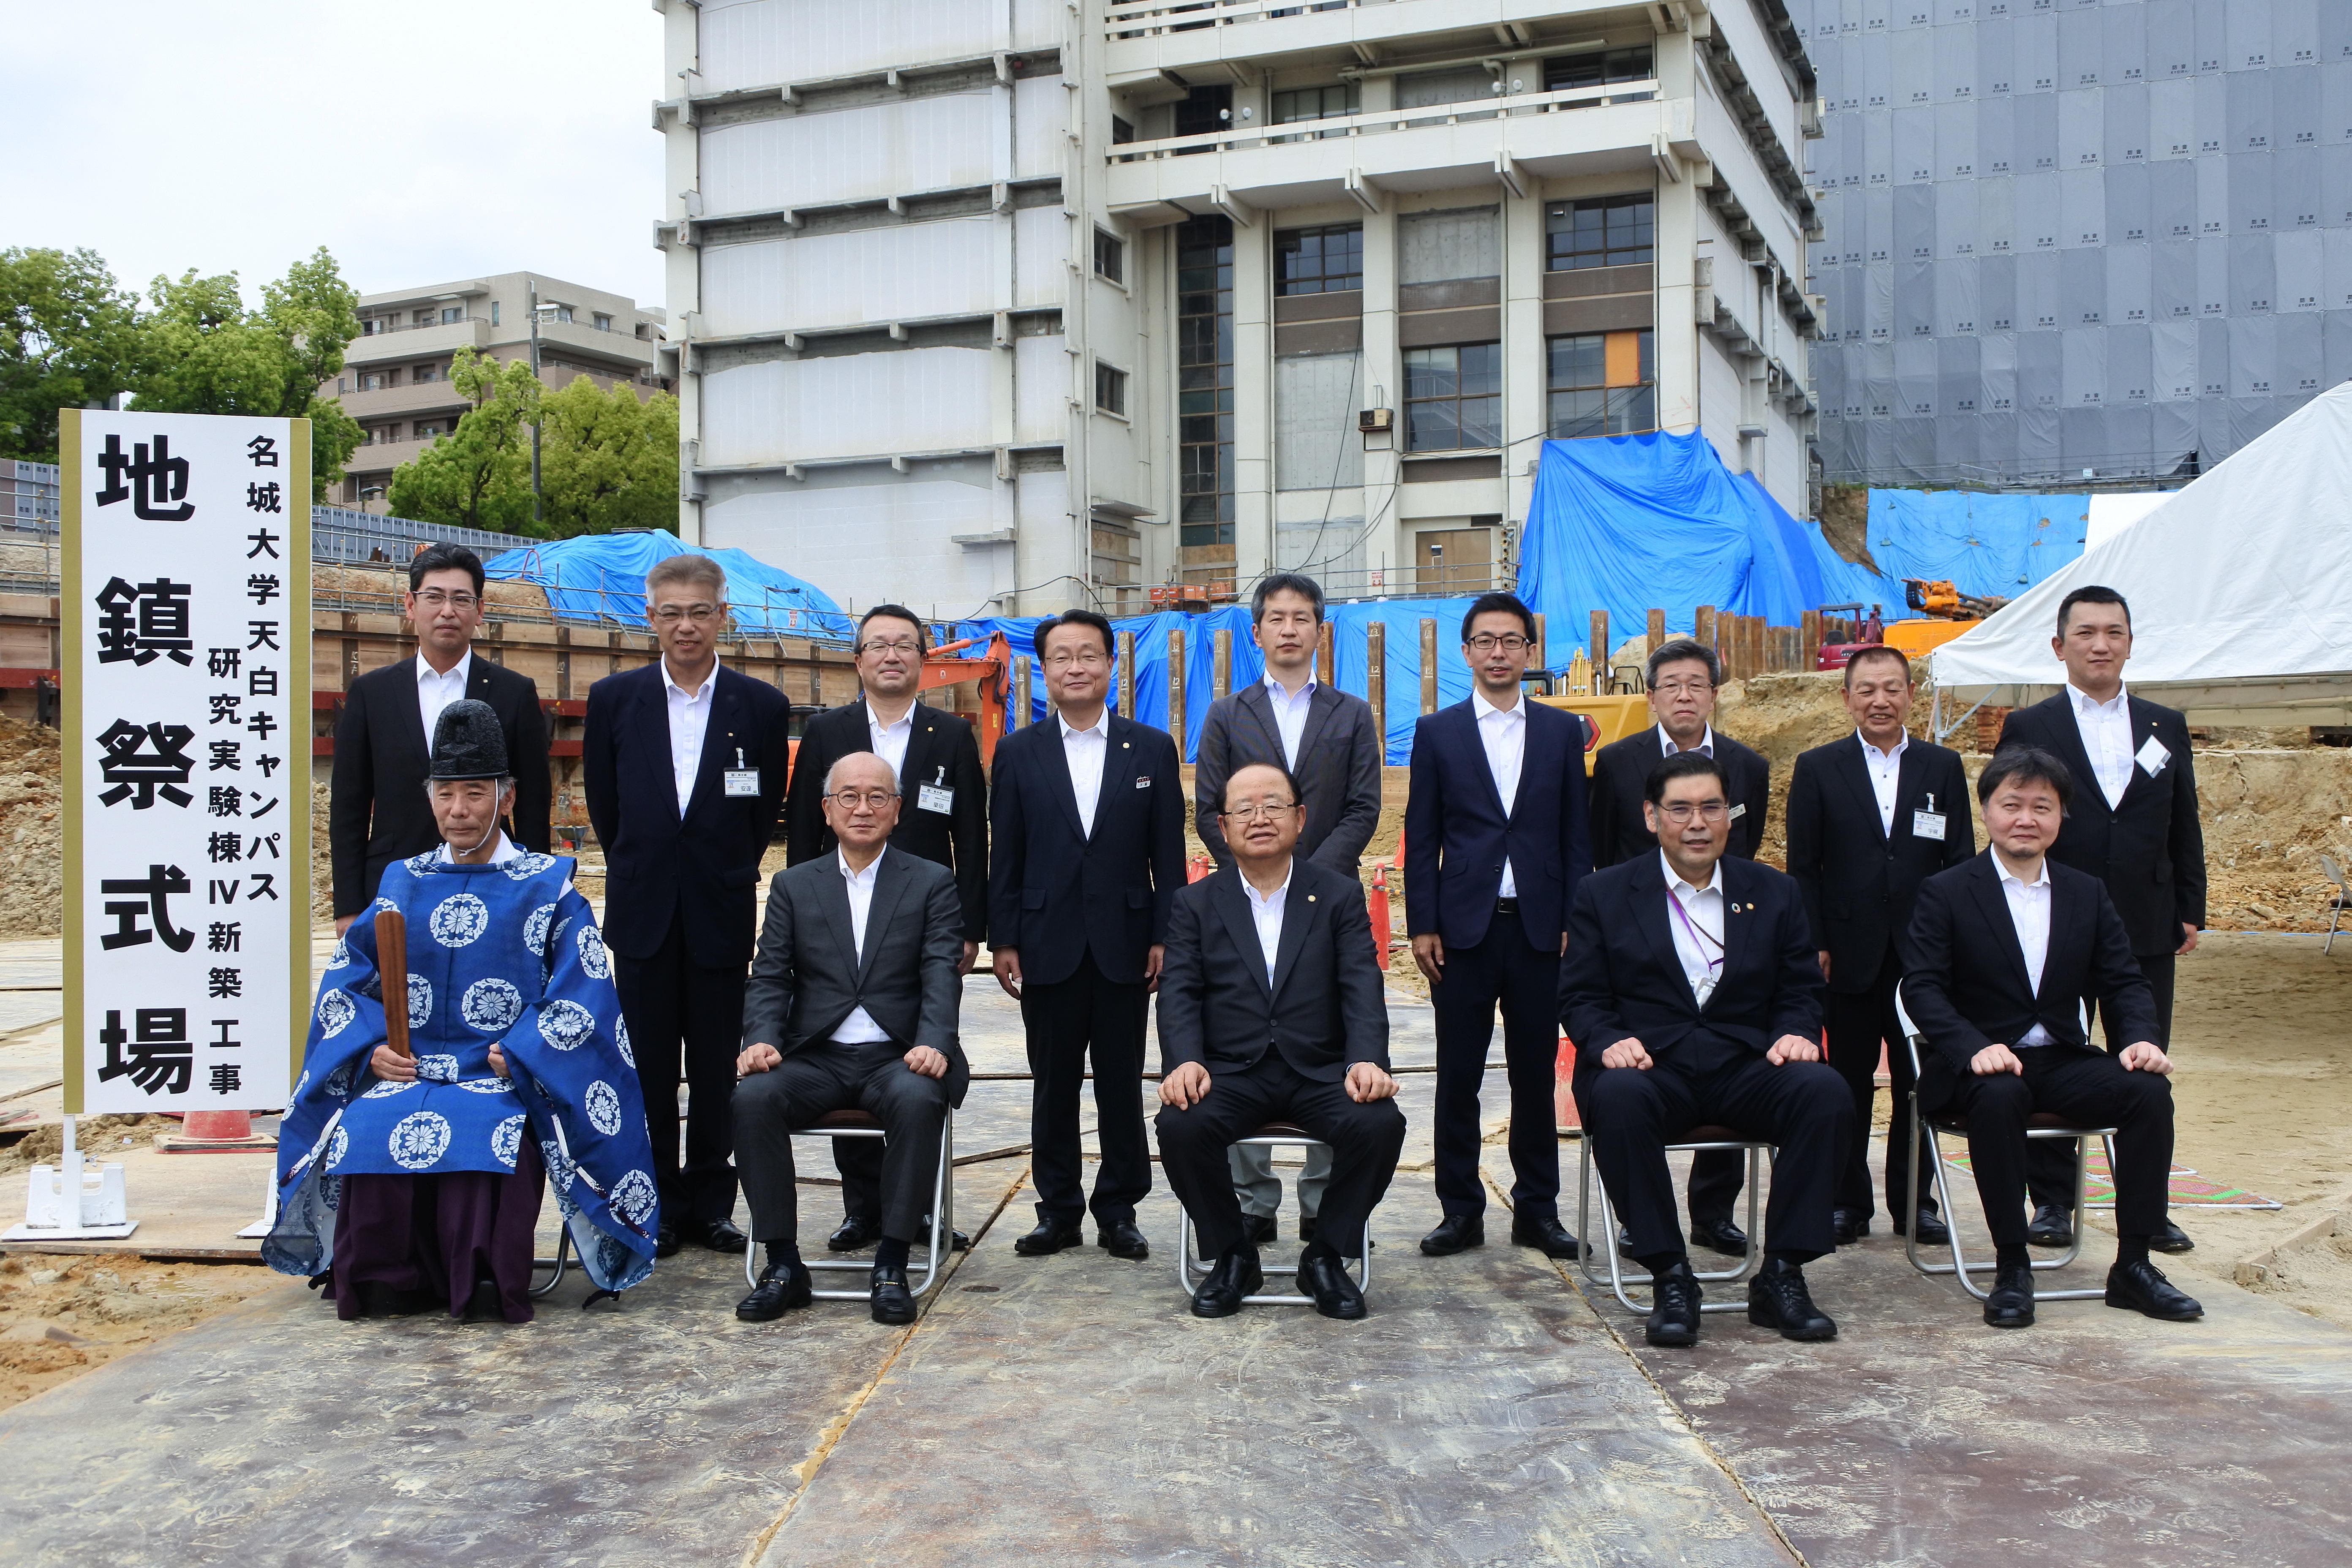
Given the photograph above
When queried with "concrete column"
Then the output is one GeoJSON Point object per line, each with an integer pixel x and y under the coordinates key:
{"type": "Point", "coordinates": [1677, 239]}
{"type": "Point", "coordinates": [1383, 379]}
{"type": "Point", "coordinates": [1252, 398]}
{"type": "Point", "coordinates": [1524, 401]}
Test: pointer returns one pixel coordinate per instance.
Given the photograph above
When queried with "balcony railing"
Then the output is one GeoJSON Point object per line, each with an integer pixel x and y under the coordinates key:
{"type": "Point", "coordinates": [1378, 121]}
{"type": "Point", "coordinates": [1137, 21]}
{"type": "Point", "coordinates": [379, 329]}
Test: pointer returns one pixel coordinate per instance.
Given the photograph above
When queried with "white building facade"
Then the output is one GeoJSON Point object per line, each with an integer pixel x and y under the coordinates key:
{"type": "Point", "coordinates": [995, 306]}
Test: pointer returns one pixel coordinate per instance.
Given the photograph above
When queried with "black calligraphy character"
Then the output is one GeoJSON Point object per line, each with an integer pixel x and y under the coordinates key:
{"type": "Point", "coordinates": [220, 663]}
{"type": "Point", "coordinates": [161, 625]}
{"type": "Point", "coordinates": [260, 723]}
{"type": "Point", "coordinates": [227, 982]}
{"type": "Point", "coordinates": [265, 497]}
{"type": "Point", "coordinates": [265, 543]}
{"type": "Point", "coordinates": [261, 681]}
{"type": "Point", "coordinates": [224, 848]}
{"type": "Point", "coordinates": [224, 802]}
{"type": "Point", "coordinates": [224, 1043]}
{"type": "Point", "coordinates": [262, 586]}
{"type": "Point", "coordinates": [264, 634]}
{"type": "Point", "coordinates": [226, 1078]}
{"type": "Point", "coordinates": [153, 480]}
{"type": "Point", "coordinates": [224, 706]}
{"type": "Point", "coordinates": [225, 936]}
{"type": "Point", "coordinates": [225, 758]}
{"type": "Point", "coordinates": [161, 1054]}
{"type": "Point", "coordinates": [151, 895]}
{"type": "Point", "coordinates": [265, 451]}
{"type": "Point", "coordinates": [265, 886]}
{"type": "Point", "coordinates": [143, 762]}
{"type": "Point", "coordinates": [264, 841]}
{"type": "Point", "coordinates": [269, 765]}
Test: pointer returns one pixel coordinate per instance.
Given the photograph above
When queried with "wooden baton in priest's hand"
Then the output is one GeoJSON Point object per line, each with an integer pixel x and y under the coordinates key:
{"type": "Point", "coordinates": [391, 966]}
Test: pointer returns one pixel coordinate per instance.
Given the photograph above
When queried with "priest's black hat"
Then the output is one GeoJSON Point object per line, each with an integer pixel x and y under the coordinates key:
{"type": "Point", "coordinates": [467, 742]}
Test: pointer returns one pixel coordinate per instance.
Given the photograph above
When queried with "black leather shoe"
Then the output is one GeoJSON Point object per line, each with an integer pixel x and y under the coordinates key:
{"type": "Point", "coordinates": [2170, 1238]}
{"type": "Point", "coordinates": [1777, 1298]}
{"type": "Point", "coordinates": [1050, 1237]}
{"type": "Point", "coordinates": [1235, 1276]}
{"type": "Point", "coordinates": [1673, 1323]}
{"type": "Point", "coordinates": [1324, 1276]}
{"type": "Point", "coordinates": [1932, 1231]}
{"type": "Point", "coordinates": [857, 1232]}
{"type": "Point", "coordinates": [892, 1301]}
{"type": "Point", "coordinates": [1547, 1236]}
{"type": "Point", "coordinates": [484, 1305]}
{"type": "Point", "coordinates": [1259, 1229]}
{"type": "Point", "coordinates": [666, 1242]}
{"type": "Point", "coordinates": [2142, 1288]}
{"type": "Point", "coordinates": [1307, 1228]}
{"type": "Point", "coordinates": [387, 1302]}
{"type": "Point", "coordinates": [1123, 1239]}
{"type": "Point", "coordinates": [1454, 1233]}
{"type": "Point", "coordinates": [1720, 1236]}
{"type": "Point", "coordinates": [1624, 1242]}
{"type": "Point", "coordinates": [2051, 1225]}
{"type": "Point", "coordinates": [779, 1291]}
{"type": "Point", "coordinates": [2010, 1304]}
{"type": "Point", "coordinates": [1848, 1225]}
{"type": "Point", "coordinates": [724, 1237]}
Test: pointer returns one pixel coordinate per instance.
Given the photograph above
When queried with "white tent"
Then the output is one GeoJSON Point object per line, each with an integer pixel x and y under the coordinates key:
{"type": "Point", "coordinates": [2240, 586]}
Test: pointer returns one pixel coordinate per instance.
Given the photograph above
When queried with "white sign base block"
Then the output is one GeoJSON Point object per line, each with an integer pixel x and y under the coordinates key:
{"type": "Point", "coordinates": [260, 1228]}
{"type": "Point", "coordinates": [70, 1232]}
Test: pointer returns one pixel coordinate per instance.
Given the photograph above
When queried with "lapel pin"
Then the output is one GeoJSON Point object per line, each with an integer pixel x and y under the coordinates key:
{"type": "Point", "coordinates": [1310, 898]}
{"type": "Point", "coordinates": [1123, 745]}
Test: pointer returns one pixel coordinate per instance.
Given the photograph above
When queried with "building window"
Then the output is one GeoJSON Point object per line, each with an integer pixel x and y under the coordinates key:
{"type": "Point", "coordinates": [371, 380]}
{"type": "Point", "coordinates": [1454, 397]}
{"type": "Point", "coordinates": [604, 322]}
{"type": "Point", "coordinates": [563, 312]}
{"type": "Point", "coordinates": [430, 430]}
{"type": "Point", "coordinates": [1110, 256]}
{"type": "Point", "coordinates": [1603, 383]}
{"type": "Point", "coordinates": [1110, 389]}
{"type": "Point", "coordinates": [1318, 260]}
{"type": "Point", "coordinates": [1120, 131]}
{"type": "Point", "coordinates": [1607, 231]}
{"type": "Point", "coordinates": [1204, 380]}
{"type": "Point", "coordinates": [1602, 70]}
{"type": "Point", "coordinates": [420, 375]}
{"type": "Point", "coordinates": [494, 312]}
{"type": "Point", "coordinates": [1333, 103]}
{"type": "Point", "coordinates": [452, 314]}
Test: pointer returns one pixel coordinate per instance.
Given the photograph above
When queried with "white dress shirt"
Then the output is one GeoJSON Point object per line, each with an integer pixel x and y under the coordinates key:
{"type": "Point", "coordinates": [1705, 747]}
{"type": "Point", "coordinates": [436, 690]}
{"type": "Point", "coordinates": [890, 740]}
{"type": "Point", "coordinates": [690, 718]}
{"type": "Point", "coordinates": [2105, 728]}
{"type": "Point", "coordinates": [859, 1028]}
{"type": "Point", "coordinates": [1504, 732]}
{"type": "Point", "coordinates": [1696, 916]}
{"type": "Point", "coordinates": [506, 851]}
{"type": "Point", "coordinates": [1289, 716]}
{"type": "Point", "coordinates": [1265, 913]}
{"type": "Point", "coordinates": [1083, 750]}
{"type": "Point", "coordinates": [1886, 771]}
{"type": "Point", "coordinates": [2028, 912]}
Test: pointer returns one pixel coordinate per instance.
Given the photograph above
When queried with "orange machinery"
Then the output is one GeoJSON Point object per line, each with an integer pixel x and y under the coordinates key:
{"type": "Point", "coordinates": [992, 668]}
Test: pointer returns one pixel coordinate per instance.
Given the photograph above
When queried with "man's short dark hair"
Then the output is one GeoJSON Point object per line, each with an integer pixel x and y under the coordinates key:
{"type": "Point", "coordinates": [1075, 618]}
{"type": "Point", "coordinates": [444, 558]}
{"type": "Point", "coordinates": [2092, 593]}
{"type": "Point", "coordinates": [1877, 650]}
{"type": "Point", "coordinates": [1681, 650]}
{"type": "Point", "coordinates": [2026, 764]}
{"type": "Point", "coordinates": [1298, 583]}
{"type": "Point", "coordinates": [896, 613]}
{"type": "Point", "coordinates": [1289, 780]}
{"type": "Point", "coordinates": [1683, 765]}
{"type": "Point", "coordinates": [1499, 604]}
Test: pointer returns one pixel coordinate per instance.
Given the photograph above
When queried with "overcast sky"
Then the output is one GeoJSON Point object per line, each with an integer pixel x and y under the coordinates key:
{"type": "Point", "coordinates": [420, 142]}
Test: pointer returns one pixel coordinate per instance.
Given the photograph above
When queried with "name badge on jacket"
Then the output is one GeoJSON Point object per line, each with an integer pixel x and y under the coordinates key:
{"type": "Point", "coordinates": [742, 781]}
{"type": "Point", "coordinates": [1928, 825]}
{"type": "Point", "coordinates": [931, 797]}
{"type": "Point", "coordinates": [2152, 757]}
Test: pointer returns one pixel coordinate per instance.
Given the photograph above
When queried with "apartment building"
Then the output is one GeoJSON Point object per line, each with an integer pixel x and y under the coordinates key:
{"type": "Point", "coordinates": [395, 377]}
{"type": "Point", "coordinates": [1007, 305]}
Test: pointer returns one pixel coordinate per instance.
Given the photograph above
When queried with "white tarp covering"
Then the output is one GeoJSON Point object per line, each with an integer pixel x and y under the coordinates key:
{"type": "Point", "coordinates": [2240, 591]}
{"type": "Point", "coordinates": [2111, 514]}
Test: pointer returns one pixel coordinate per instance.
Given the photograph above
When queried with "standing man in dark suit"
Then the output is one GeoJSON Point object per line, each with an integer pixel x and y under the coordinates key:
{"type": "Point", "coordinates": [684, 764]}
{"type": "Point", "coordinates": [1331, 744]}
{"type": "Point", "coordinates": [1087, 819]}
{"type": "Point", "coordinates": [2133, 825]}
{"type": "Point", "coordinates": [1682, 677]}
{"type": "Point", "coordinates": [1996, 961]}
{"type": "Point", "coordinates": [1495, 846]}
{"type": "Point", "coordinates": [942, 818]}
{"type": "Point", "coordinates": [377, 812]}
{"type": "Point", "coordinates": [852, 1005]}
{"type": "Point", "coordinates": [1271, 1009]}
{"type": "Point", "coordinates": [1870, 817]}
{"type": "Point", "coordinates": [1693, 994]}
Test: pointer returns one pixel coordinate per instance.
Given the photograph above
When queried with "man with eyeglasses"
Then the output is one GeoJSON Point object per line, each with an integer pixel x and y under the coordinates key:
{"type": "Point", "coordinates": [1271, 1010]}
{"type": "Point", "coordinates": [1694, 997]}
{"type": "Point", "coordinates": [1086, 850]}
{"type": "Point", "coordinates": [1495, 846]}
{"type": "Point", "coordinates": [377, 811]}
{"type": "Point", "coordinates": [1682, 677]}
{"type": "Point", "coordinates": [943, 819]}
{"type": "Point", "coordinates": [1331, 744]}
{"type": "Point", "coordinates": [684, 766]}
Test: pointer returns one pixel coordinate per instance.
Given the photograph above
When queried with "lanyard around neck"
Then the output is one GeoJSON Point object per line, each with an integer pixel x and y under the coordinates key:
{"type": "Point", "coordinates": [1697, 935]}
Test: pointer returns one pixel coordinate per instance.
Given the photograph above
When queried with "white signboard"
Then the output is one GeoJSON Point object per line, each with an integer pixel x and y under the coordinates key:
{"type": "Point", "coordinates": [186, 612]}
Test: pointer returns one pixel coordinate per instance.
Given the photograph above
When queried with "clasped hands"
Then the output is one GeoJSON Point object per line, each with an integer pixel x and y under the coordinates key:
{"type": "Point", "coordinates": [2141, 1056]}
{"type": "Point", "coordinates": [1629, 1052]}
{"type": "Point", "coordinates": [393, 1067]}
{"type": "Point", "coordinates": [760, 1056]}
{"type": "Point", "coordinates": [1189, 1085]}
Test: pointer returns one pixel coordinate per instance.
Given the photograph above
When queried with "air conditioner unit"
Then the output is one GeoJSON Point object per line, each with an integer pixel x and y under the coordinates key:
{"type": "Point", "coordinates": [1375, 421]}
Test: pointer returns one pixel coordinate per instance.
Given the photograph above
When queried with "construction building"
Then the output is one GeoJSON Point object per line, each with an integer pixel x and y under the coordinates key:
{"type": "Point", "coordinates": [1001, 305]}
{"type": "Point", "coordinates": [395, 377]}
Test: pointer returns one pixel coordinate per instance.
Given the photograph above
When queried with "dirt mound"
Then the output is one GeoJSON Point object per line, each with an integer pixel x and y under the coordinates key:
{"type": "Point", "coordinates": [31, 844]}
{"type": "Point", "coordinates": [60, 1316]}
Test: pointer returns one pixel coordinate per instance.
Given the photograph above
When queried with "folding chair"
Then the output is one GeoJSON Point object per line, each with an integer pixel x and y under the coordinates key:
{"type": "Point", "coordinates": [563, 1256]}
{"type": "Point", "coordinates": [2336, 900]}
{"type": "Point", "coordinates": [1927, 1132]}
{"type": "Point", "coordinates": [860, 1124]}
{"type": "Point", "coordinates": [1708, 1135]}
{"type": "Point", "coordinates": [1190, 1270]}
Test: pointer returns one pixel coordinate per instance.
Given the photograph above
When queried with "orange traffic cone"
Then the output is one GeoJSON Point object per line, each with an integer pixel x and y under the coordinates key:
{"type": "Point", "coordinates": [214, 1131]}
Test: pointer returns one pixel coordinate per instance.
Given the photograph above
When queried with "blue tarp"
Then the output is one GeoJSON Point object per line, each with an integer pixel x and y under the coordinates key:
{"type": "Point", "coordinates": [601, 577]}
{"type": "Point", "coordinates": [1982, 544]}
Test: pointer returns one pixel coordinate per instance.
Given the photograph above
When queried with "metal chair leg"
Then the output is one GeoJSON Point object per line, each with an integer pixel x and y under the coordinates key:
{"type": "Point", "coordinates": [563, 1255]}
{"type": "Point", "coordinates": [1190, 1270]}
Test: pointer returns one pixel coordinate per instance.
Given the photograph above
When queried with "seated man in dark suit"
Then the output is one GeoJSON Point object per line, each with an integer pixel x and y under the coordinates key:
{"type": "Point", "coordinates": [2000, 953]}
{"type": "Point", "coordinates": [1270, 1009]}
{"type": "Point", "coordinates": [852, 1005]}
{"type": "Point", "coordinates": [1693, 994]}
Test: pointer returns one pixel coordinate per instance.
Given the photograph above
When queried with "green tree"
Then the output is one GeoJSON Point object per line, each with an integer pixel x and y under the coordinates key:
{"type": "Point", "coordinates": [68, 337]}
{"type": "Point", "coordinates": [608, 460]}
{"type": "Point", "coordinates": [478, 476]}
{"type": "Point", "coordinates": [206, 354]}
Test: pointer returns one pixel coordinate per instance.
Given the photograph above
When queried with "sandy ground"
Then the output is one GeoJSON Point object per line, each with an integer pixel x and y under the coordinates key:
{"type": "Point", "coordinates": [60, 1316]}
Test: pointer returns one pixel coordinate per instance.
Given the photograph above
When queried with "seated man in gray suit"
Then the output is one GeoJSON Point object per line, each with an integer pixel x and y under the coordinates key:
{"type": "Point", "coordinates": [852, 1005]}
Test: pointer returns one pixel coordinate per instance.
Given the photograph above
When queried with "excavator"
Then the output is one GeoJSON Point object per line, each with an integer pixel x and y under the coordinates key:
{"type": "Point", "coordinates": [1939, 600]}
